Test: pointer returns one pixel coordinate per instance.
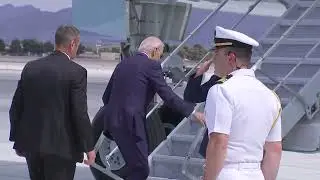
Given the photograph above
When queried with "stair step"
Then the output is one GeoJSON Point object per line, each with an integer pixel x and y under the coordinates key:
{"type": "Point", "coordinates": [180, 137]}
{"type": "Point", "coordinates": [179, 145]}
{"type": "Point", "coordinates": [286, 48]}
{"type": "Point", "coordinates": [303, 22]}
{"type": "Point", "coordinates": [294, 81]}
{"type": "Point", "coordinates": [159, 178]}
{"type": "Point", "coordinates": [291, 41]}
{"type": "Point", "coordinates": [171, 167]}
{"type": "Point", "coordinates": [307, 4]}
{"type": "Point", "coordinates": [307, 29]}
{"type": "Point", "coordinates": [287, 60]}
{"type": "Point", "coordinates": [188, 128]}
{"type": "Point", "coordinates": [295, 84]}
{"type": "Point", "coordinates": [280, 66]}
{"type": "Point", "coordinates": [281, 70]}
{"type": "Point", "coordinates": [297, 10]}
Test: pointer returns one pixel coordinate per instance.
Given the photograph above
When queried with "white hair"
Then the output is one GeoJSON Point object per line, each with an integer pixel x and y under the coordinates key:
{"type": "Point", "coordinates": [149, 44]}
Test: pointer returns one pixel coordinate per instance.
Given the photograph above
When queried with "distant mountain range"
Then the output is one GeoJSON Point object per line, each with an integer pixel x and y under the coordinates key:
{"type": "Point", "coordinates": [26, 22]}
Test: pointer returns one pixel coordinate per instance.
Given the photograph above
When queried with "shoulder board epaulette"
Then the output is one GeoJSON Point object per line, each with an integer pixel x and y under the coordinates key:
{"type": "Point", "coordinates": [224, 79]}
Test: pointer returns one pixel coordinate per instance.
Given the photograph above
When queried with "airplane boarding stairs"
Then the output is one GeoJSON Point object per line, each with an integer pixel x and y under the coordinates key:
{"type": "Point", "coordinates": [290, 51]}
{"type": "Point", "coordinates": [287, 61]}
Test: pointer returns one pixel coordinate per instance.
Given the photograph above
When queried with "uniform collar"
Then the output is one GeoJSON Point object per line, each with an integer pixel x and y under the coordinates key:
{"type": "Point", "coordinates": [243, 72]}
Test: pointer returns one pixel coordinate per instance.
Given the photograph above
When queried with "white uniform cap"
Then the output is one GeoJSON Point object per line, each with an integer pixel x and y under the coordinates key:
{"type": "Point", "coordinates": [227, 37]}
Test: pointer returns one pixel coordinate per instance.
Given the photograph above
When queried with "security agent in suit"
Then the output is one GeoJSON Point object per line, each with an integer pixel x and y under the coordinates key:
{"type": "Point", "coordinates": [197, 92]}
{"type": "Point", "coordinates": [49, 123]}
{"type": "Point", "coordinates": [130, 90]}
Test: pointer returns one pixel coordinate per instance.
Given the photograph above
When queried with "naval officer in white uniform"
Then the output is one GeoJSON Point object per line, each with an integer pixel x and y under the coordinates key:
{"type": "Point", "coordinates": [243, 116]}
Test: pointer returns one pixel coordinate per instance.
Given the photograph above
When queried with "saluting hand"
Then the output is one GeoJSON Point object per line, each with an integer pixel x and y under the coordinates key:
{"type": "Point", "coordinates": [204, 67]}
{"type": "Point", "coordinates": [91, 157]}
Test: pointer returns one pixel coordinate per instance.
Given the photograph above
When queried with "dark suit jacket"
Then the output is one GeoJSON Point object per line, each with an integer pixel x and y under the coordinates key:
{"type": "Point", "coordinates": [48, 113]}
{"type": "Point", "coordinates": [195, 92]}
{"type": "Point", "coordinates": [132, 86]}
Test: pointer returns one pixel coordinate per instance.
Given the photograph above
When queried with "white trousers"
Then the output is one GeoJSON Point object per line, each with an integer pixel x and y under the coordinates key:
{"type": "Point", "coordinates": [241, 171]}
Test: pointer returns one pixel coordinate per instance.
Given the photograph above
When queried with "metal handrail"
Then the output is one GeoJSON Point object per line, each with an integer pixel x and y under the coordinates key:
{"type": "Point", "coordinates": [257, 65]}
{"type": "Point", "coordinates": [100, 168]}
{"type": "Point", "coordinates": [191, 151]}
{"type": "Point", "coordinates": [175, 51]}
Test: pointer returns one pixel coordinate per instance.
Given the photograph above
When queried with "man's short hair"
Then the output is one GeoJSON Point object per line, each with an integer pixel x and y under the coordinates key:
{"type": "Point", "coordinates": [149, 44]}
{"type": "Point", "coordinates": [66, 33]}
{"type": "Point", "coordinates": [244, 54]}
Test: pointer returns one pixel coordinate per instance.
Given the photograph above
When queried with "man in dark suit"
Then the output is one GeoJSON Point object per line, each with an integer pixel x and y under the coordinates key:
{"type": "Point", "coordinates": [50, 125]}
{"type": "Point", "coordinates": [197, 92]}
{"type": "Point", "coordinates": [130, 90]}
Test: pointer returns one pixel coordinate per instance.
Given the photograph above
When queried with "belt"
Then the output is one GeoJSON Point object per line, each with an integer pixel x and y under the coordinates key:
{"type": "Point", "coordinates": [242, 165]}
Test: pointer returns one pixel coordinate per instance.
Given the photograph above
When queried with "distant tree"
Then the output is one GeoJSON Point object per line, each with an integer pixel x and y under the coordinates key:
{"type": "Point", "coordinates": [183, 53]}
{"type": "Point", "coordinates": [15, 46]}
{"type": "Point", "coordinates": [115, 49]}
{"type": "Point", "coordinates": [81, 49]}
{"type": "Point", "coordinates": [2, 46]}
{"type": "Point", "coordinates": [196, 53]}
{"type": "Point", "coordinates": [32, 46]}
{"type": "Point", "coordinates": [26, 45]}
{"type": "Point", "coordinates": [48, 47]}
{"type": "Point", "coordinates": [38, 49]}
{"type": "Point", "coordinates": [89, 49]}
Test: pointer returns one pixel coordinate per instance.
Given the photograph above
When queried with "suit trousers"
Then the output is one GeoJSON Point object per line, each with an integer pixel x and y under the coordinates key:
{"type": "Point", "coordinates": [50, 167]}
{"type": "Point", "coordinates": [241, 171]}
{"type": "Point", "coordinates": [135, 154]}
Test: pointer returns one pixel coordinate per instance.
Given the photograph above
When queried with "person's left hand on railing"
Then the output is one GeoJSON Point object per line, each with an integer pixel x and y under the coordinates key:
{"type": "Point", "coordinates": [198, 116]}
{"type": "Point", "coordinates": [91, 156]}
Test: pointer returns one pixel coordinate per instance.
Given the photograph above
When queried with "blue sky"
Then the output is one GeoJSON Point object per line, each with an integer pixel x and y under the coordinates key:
{"type": "Point", "coordinates": [101, 16]}
{"type": "Point", "coordinates": [48, 5]}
